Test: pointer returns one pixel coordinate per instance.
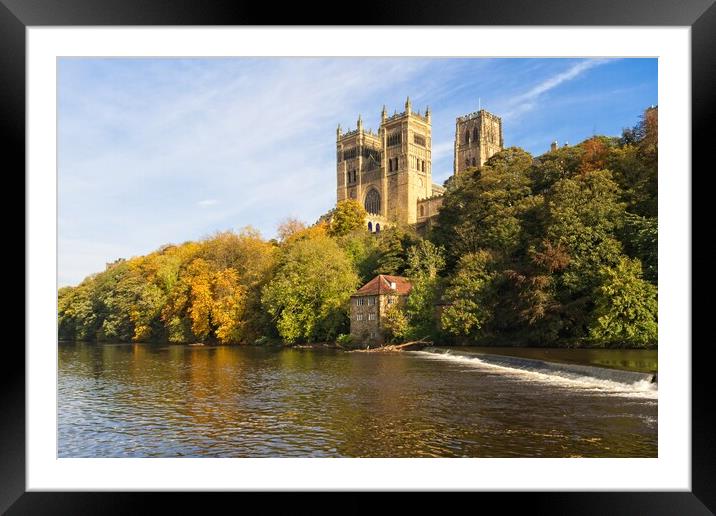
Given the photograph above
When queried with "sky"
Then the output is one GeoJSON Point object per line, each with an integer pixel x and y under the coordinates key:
{"type": "Point", "coordinates": [156, 151]}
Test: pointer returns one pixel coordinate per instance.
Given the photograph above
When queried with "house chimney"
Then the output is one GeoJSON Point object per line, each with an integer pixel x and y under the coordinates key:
{"type": "Point", "coordinates": [393, 285]}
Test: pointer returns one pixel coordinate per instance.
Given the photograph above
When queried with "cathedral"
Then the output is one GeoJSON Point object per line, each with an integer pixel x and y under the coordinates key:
{"type": "Point", "coordinates": [390, 172]}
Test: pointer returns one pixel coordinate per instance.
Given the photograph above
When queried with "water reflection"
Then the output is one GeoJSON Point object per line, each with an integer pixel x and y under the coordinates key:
{"type": "Point", "coordinates": [146, 401]}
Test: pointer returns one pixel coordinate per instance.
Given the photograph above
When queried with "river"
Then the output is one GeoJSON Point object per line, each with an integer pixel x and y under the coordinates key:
{"type": "Point", "coordinates": [140, 400]}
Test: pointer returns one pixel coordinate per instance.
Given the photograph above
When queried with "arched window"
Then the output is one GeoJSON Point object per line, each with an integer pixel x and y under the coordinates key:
{"type": "Point", "coordinates": [422, 210]}
{"type": "Point", "coordinates": [377, 227]}
{"type": "Point", "coordinates": [348, 176]}
{"type": "Point", "coordinates": [474, 134]}
{"type": "Point", "coordinates": [467, 136]}
{"type": "Point", "coordinates": [370, 227]}
{"type": "Point", "coordinates": [372, 201]}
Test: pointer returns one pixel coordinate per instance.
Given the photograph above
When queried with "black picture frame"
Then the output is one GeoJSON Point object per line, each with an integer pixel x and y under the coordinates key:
{"type": "Point", "coordinates": [17, 15]}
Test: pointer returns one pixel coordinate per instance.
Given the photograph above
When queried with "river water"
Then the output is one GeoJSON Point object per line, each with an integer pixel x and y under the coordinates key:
{"type": "Point", "coordinates": [137, 400]}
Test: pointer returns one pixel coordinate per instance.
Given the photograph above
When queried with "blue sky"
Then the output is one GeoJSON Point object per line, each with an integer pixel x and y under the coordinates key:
{"type": "Point", "coordinates": [153, 151]}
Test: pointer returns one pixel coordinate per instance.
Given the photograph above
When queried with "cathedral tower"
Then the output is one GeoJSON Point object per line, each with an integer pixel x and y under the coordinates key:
{"type": "Point", "coordinates": [478, 136]}
{"type": "Point", "coordinates": [390, 171]}
{"type": "Point", "coordinates": [407, 162]}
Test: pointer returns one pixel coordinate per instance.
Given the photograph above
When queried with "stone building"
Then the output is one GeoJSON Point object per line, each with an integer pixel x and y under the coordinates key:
{"type": "Point", "coordinates": [478, 137]}
{"type": "Point", "coordinates": [390, 172]}
{"type": "Point", "coordinates": [370, 304]}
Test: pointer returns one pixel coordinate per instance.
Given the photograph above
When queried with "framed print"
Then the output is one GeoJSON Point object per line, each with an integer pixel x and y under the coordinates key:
{"type": "Point", "coordinates": [461, 295]}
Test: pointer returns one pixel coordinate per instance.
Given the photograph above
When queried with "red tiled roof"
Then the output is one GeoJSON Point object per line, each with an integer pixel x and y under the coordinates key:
{"type": "Point", "coordinates": [381, 285]}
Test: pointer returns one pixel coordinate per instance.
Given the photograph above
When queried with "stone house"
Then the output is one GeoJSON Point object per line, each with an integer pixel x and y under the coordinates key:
{"type": "Point", "coordinates": [370, 304]}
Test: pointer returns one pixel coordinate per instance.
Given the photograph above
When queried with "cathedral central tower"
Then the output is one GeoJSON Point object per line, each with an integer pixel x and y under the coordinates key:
{"type": "Point", "coordinates": [387, 172]}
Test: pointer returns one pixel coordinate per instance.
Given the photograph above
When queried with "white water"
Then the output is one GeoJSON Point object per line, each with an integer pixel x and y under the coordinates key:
{"type": "Point", "coordinates": [641, 389]}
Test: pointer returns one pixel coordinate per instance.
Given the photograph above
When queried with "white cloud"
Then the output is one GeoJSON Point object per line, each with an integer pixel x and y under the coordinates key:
{"type": "Point", "coordinates": [208, 202]}
{"type": "Point", "coordinates": [522, 103]}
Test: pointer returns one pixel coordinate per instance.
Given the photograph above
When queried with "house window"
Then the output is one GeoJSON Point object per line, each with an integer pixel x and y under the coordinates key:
{"type": "Point", "coordinates": [359, 317]}
{"type": "Point", "coordinates": [371, 317]}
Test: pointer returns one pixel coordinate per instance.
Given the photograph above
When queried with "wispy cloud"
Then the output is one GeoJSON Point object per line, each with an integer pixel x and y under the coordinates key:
{"type": "Point", "coordinates": [208, 202]}
{"type": "Point", "coordinates": [526, 101]}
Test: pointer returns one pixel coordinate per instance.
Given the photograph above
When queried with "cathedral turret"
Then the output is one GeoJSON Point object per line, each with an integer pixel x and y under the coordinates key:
{"type": "Point", "coordinates": [427, 113]}
{"type": "Point", "coordinates": [339, 132]}
{"type": "Point", "coordinates": [383, 114]}
{"type": "Point", "coordinates": [408, 105]}
{"type": "Point", "coordinates": [360, 123]}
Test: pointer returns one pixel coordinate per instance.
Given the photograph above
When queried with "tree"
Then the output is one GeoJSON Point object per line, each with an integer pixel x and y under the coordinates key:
{"type": "Point", "coordinates": [640, 237]}
{"type": "Point", "coordinates": [626, 307]}
{"type": "Point", "coordinates": [289, 227]}
{"type": "Point", "coordinates": [393, 246]}
{"type": "Point", "coordinates": [362, 248]}
{"type": "Point", "coordinates": [468, 297]}
{"type": "Point", "coordinates": [395, 323]}
{"type": "Point", "coordinates": [485, 210]}
{"type": "Point", "coordinates": [583, 213]}
{"type": "Point", "coordinates": [347, 216]}
{"type": "Point", "coordinates": [308, 295]}
{"type": "Point", "coordinates": [425, 262]}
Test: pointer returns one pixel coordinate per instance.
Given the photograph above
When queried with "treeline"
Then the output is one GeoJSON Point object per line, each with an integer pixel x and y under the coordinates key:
{"type": "Point", "coordinates": [558, 250]}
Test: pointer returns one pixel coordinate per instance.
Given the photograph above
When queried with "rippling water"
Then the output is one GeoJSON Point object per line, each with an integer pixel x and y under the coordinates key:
{"type": "Point", "coordinates": [173, 401]}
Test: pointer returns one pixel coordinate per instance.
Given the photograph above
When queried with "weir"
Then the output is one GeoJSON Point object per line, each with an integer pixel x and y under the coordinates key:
{"type": "Point", "coordinates": [572, 371]}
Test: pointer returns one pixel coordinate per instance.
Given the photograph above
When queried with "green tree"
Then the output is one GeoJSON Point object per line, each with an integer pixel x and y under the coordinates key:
{"type": "Point", "coordinates": [347, 216]}
{"type": "Point", "coordinates": [469, 297]}
{"type": "Point", "coordinates": [640, 237]}
{"type": "Point", "coordinates": [393, 246]}
{"type": "Point", "coordinates": [583, 214]}
{"type": "Point", "coordinates": [626, 307]}
{"type": "Point", "coordinates": [308, 296]}
{"type": "Point", "coordinates": [425, 262]}
{"type": "Point", "coordinates": [485, 210]}
{"type": "Point", "coordinates": [395, 323]}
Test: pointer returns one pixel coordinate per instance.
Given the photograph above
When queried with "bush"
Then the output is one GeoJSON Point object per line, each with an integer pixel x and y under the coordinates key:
{"type": "Point", "coordinates": [344, 341]}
